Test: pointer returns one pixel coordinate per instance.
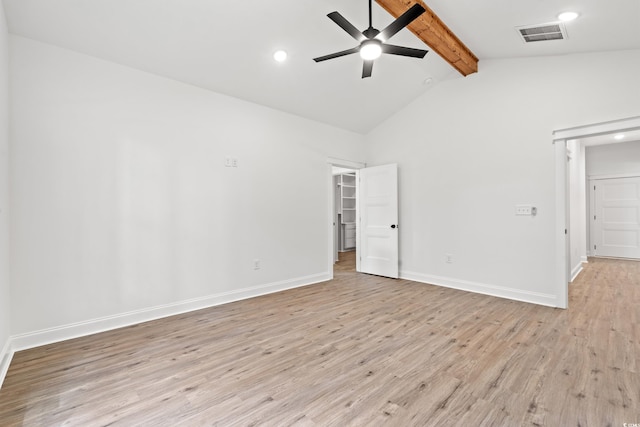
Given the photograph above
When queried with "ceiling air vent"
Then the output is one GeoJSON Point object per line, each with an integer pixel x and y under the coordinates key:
{"type": "Point", "coordinates": [542, 32]}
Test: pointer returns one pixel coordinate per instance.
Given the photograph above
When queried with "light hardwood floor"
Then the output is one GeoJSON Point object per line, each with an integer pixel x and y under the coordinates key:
{"type": "Point", "coordinates": [357, 351]}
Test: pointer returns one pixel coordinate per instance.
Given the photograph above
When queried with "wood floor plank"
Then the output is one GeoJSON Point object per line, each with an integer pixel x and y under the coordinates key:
{"type": "Point", "coordinates": [359, 350]}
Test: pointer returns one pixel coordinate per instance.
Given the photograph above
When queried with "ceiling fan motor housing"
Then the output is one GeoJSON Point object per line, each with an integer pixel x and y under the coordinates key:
{"type": "Point", "coordinates": [370, 32]}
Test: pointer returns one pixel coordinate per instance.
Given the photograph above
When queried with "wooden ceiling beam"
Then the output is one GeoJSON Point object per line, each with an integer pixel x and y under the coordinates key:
{"type": "Point", "coordinates": [431, 30]}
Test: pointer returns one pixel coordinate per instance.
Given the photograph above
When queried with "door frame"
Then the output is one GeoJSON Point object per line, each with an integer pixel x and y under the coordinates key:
{"type": "Point", "coordinates": [562, 273]}
{"type": "Point", "coordinates": [341, 163]}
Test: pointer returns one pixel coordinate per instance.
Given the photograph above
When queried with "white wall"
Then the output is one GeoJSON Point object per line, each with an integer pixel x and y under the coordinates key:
{"type": "Point", "coordinates": [613, 159]}
{"type": "Point", "coordinates": [583, 206]}
{"type": "Point", "coordinates": [122, 203]}
{"type": "Point", "coordinates": [577, 209]}
{"type": "Point", "coordinates": [5, 305]}
{"type": "Point", "coordinates": [122, 208]}
{"type": "Point", "coordinates": [471, 149]}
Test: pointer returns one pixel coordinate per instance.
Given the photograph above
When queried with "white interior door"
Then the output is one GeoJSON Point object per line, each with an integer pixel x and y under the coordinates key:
{"type": "Point", "coordinates": [378, 209]}
{"type": "Point", "coordinates": [616, 217]}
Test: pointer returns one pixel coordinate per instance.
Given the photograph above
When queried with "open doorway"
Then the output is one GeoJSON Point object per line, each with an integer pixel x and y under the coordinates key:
{"type": "Point", "coordinates": [603, 177]}
{"type": "Point", "coordinates": [613, 177]}
{"type": "Point", "coordinates": [572, 212]}
{"type": "Point", "coordinates": [375, 218]}
{"type": "Point", "coordinates": [337, 167]}
{"type": "Point", "coordinates": [345, 191]}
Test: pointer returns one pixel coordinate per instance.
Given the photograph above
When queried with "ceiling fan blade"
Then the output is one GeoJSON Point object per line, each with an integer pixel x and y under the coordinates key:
{"type": "Point", "coordinates": [403, 51]}
{"type": "Point", "coordinates": [346, 25]}
{"type": "Point", "coordinates": [402, 21]}
{"type": "Point", "coordinates": [337, 54]}
{"type": "Point", "coordinates": [367, 68]}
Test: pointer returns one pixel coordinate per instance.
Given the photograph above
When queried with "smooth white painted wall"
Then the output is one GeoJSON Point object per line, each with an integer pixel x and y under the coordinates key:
{"type": "Point", "coordinates": [471, 149]}
{"type": "Point", "coordinates": [577, 207]}
{"type": "Point", "coordinates": [583, 206]}
{"type": "Point", "coordinates": [122, 202]}
{"type": "Point", "coordinates": [613, 159]}
{"type": "Point", "coordinates": [5, 305]}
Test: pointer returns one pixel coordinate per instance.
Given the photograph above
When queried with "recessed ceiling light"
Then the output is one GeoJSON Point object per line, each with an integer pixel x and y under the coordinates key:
{"type": "Point", "coordinates": [567, 16]}
{"type": "Point", "coordinates": [619, 136]}
{"type": "Point", "coordinates": [280, 56]}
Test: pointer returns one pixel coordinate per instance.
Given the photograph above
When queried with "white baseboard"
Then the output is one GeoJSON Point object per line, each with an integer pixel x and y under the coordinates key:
{"type": "Point", "coordinates": [92, 326]}
{"type": "Point", "coordinates": [575, 271]}
{"type": "Point", "coordinates": [584, 259]}
{"type": "Point", "coordinates": [5, 360]}
{"type": "Point", "coordinates": [482, 288]}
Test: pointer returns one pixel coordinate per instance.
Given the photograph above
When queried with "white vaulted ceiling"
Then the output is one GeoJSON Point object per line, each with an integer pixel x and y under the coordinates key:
{"type": "Point", "coordinates": [227, 46]}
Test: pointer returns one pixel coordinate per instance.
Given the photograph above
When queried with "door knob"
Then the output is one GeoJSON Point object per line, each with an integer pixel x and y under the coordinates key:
{"type": "Point", "coordinates": [393, 226]}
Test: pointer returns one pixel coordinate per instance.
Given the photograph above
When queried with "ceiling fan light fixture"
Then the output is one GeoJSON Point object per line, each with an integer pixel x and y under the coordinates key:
{"type": "Point", "coordinates": [370, 49]}
{"type": "Point", "coordinates": [370, 41]}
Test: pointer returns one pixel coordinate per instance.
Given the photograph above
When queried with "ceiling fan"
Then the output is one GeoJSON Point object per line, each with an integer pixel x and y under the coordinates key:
{"type": "Point", "coordinates": [372, 41]}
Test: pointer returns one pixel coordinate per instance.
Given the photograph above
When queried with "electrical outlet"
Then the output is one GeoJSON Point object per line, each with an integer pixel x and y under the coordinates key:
{"type": "Point", "coordinates": [448, 258]}
{"type": "Point", "coordinates": [234, 162]}
{"type": "Point", "coordinates": [228, 162]}
{"type": "Point", "coordinates": [256, 264]}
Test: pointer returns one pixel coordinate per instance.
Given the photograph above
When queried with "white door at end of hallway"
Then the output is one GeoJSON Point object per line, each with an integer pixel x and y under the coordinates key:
{"type": "Point", "coordinates": [615, 221]}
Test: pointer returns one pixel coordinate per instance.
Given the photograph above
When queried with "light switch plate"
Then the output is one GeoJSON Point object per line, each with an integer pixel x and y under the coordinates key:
{"type": "Point", "coordinates": [524, 210]}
